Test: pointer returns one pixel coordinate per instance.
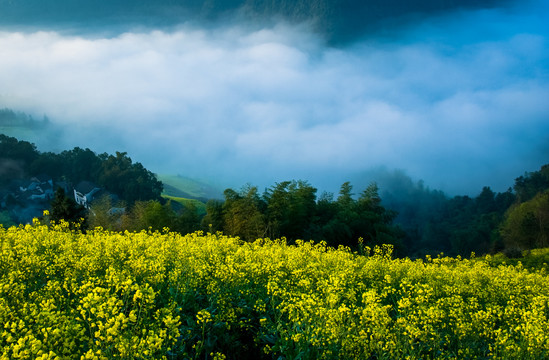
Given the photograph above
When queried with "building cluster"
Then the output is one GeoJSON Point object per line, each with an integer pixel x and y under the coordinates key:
{"type": "Point", "coordinates": [27, 198]}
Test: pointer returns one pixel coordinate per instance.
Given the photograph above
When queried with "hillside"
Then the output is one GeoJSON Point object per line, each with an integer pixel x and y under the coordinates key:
{"type": "Point", "coordinates": [189, 204]}
{"type": "Point", "coordinates": [182, 186]}
{"type": "Point", "coordinates": [190, 193]}
{"type": "Point", "coordinates": [29, 179]}
{"type": "Point", "coordinates": [40, 132]}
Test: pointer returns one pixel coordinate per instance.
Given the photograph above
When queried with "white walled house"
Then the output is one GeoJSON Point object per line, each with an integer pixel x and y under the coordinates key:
{"type": "Point", "coordinates": [84, 193]}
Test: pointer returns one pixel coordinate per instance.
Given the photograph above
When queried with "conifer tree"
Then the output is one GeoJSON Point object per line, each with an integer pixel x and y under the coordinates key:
{"type": "Point", "coordinates": [65, 208]}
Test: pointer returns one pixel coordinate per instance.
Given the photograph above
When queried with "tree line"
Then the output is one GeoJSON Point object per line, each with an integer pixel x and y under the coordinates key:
{"type": "Point", "coordinates": [421, 222]}
{"type": "Point", "coordinates": [11, 118]}
{"type": "Point", "coordinates": [412, 217]}
{"type": "Point", "coordinates": [509, 221]}
{"type": "Point", "coordinates": [291, 209]}
{"type": "Point", "coordinates": [116, 173]}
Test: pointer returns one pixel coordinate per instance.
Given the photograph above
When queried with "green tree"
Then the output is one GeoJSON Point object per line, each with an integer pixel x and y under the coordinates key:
{"type": "Point", "coordinates": [527, 186]}
{"type": "Point", "coordinates": [49, 163]}
{"type": "Point", "coordinates": [345, 198]}
{"type": "Point", "coordinates": [485, 202]}
{"type": "Point", "coordinates": [339, 230]}
{"type": "Point", "coordinates": [11, 148]}
{"type": "Point", "coordinates": [6, 220]}
{"type": "Point", "coordinates": [526, 224]}
{"type": "Point", "coordinates": [80, 164]}
{"type": "Point", "coordinates": [278, 205]}
{"type": "Point", "coordinates": [213, 220]}
{"type": "Point", "coordinates": [132, 182]}
{"type": "Point", "coordinates": [65, 208]}
{"type": "Point", "coordinates": [291, 207]}
{"type": "Point", "coordinates": [242, 214]}
{"type": "Point", "coordinates": [326, 210]}
{"type": "Point", "coordinates": [188, 220]}
{"type": "Point", "coordinates": [374, 223]}
{"type": "Point", "coordinates": [104, 213]}
{"type": "Point", "coordinates": [16, 158]}
{"type": "Point", "coordinates": [149, 214]}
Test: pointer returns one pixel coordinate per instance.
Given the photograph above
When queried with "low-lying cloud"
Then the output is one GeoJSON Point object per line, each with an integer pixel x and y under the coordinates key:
{"type": "Point", "coordinates": [460, 101]}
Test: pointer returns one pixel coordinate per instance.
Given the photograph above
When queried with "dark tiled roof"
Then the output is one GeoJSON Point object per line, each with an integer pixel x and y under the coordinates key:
{"type": "Point", "coordinates": [85, 187]}
{"type": "Point", "coordinates": [43, 178]}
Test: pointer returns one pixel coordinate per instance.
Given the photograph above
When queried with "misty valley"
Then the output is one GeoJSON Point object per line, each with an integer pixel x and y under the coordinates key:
{"type": "Point", "coordinates": [286, 179]}
{"type": "Point", "coordinates": [115, 193]}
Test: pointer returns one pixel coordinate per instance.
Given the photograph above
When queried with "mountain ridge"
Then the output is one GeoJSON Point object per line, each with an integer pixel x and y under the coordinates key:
{"type": "Point", "coordinates": [336, 20]}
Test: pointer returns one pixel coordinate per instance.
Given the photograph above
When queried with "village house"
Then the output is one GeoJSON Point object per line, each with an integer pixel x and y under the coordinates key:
{"type": "Point", "coordinates": [85, 192]}
{"type": "Point", "coordinates": [37, 188]}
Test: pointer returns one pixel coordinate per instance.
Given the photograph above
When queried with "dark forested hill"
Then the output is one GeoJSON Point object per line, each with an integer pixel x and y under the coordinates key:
{"type": "Point", "coordinates": [29, 177]}
{"type": "Point", "coordinates": [337, 20]}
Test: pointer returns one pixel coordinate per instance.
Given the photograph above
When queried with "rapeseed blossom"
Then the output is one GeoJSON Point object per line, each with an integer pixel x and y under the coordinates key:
{"type": "Point", "coordinates": [151, 295]}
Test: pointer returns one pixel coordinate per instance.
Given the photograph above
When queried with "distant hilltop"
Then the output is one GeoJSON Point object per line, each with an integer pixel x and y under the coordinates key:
{"type": "Point", "coordinates": [337, 20]}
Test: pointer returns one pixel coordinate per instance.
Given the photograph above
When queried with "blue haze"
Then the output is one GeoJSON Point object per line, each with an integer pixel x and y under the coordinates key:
{"type": "Point", "coordinates": [458, 99]}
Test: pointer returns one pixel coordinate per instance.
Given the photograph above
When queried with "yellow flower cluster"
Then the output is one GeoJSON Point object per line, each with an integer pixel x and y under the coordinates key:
{"type": "Point", "coordinates": [104, 295]}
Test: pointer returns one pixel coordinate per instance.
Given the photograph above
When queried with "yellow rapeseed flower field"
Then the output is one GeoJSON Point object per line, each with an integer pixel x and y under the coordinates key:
{"type": "Point", "coordinates": [150, 295]}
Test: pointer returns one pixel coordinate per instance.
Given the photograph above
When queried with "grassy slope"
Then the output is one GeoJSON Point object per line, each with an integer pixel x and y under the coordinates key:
{"type": "Point", "coordinates": [188, 192]}
{"type": "Point", "coordinates": [180, 186]}
{"type": "Point", "coordinates": [187, 203]}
